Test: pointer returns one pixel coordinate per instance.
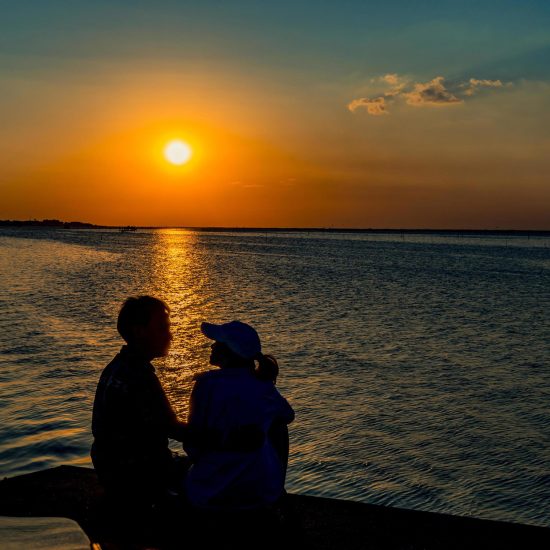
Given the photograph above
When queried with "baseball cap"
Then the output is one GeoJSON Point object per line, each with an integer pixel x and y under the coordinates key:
{"type": "Point", "coordinates": [240, 337]}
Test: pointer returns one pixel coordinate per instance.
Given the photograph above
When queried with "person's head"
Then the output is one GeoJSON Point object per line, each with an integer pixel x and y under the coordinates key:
{"type": "Point", "coordinates": [237, 345]}
{"type": "Point", "coordinates": [144, 324]}
{"type": "Point", "coordinates": [221, 355]}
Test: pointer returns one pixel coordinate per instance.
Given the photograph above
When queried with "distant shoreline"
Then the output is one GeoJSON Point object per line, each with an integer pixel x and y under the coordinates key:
{"type": "Point", "coordinates": [53, 224]}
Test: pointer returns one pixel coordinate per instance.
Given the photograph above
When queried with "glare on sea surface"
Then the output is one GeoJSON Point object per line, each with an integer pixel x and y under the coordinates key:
{"type": "Point", "coordinates": [177, 152]}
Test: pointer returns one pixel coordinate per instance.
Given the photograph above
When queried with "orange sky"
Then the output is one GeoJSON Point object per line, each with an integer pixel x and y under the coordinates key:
{"type": "Point", "coordinates": [278, 144]}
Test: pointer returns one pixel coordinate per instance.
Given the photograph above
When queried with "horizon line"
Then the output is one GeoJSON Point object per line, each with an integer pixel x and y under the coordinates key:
{"type": "Point", "coordinates": [53, 223]}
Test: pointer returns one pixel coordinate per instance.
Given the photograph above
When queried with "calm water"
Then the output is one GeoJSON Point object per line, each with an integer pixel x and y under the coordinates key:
{"type": "Point", "coordinates": [419, 367]}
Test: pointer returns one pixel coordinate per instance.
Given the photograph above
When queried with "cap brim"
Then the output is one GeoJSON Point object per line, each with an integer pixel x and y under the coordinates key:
{"type": "Point", "coordinates": [214, 332]}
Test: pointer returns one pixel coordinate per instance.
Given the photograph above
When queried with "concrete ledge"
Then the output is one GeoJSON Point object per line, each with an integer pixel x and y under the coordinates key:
{"type": "Point", "coordinates": [17, 533]}
{"type": "Point", "coordinates": [311, 522]}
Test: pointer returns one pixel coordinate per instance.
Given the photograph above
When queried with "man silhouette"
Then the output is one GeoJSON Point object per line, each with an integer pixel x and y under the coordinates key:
{"type": "Point", "coordinates": [132, 417]}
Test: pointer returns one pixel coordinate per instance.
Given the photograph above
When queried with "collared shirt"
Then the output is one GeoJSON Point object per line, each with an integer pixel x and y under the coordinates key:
{"type": "Point", "coordinates": [224, 400]}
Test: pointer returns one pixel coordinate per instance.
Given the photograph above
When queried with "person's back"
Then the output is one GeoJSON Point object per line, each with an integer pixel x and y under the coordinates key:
{"type": "Point", "coordinates": [223, 400]}
{"type": "Point", "coordinates": [226, 401]}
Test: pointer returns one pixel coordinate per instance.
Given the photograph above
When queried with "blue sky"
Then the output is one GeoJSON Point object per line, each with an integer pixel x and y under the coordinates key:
{"type": "Point", "coordinates": [505, 38]}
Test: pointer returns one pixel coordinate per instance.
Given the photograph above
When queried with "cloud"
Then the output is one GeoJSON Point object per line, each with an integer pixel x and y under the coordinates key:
{"type": "Point", "coordinates": [474, 84]}
{"type": "Point", "coordinates": [435, 92]}
{"type": "Point", "coordinates": [396, 82]}
{"type": "Point", "coordinates": [490, 83]}
{"type": "Point", "coordinates": [394, 91]}
{"type": "Point", "coordinates": [431, 93]}
{"type": "Point", "coordinates": [375, 106]}
{"type": "Point", "coordinates": [392, 79]}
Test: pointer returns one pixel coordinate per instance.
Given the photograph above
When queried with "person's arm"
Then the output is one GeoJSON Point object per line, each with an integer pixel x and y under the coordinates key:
{"type": "Point", "coordinates": [194, 433]}
{"type": "Point", "coordinates": [278, 437]}
{"type": "Point", "coordinates": [175, 429]}
{"type": "Point", "coordinates": [285, 413]}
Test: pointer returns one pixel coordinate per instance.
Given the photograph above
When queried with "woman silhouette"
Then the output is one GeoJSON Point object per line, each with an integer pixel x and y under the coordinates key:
{"type": "Point", "coordinates": [239, 401]}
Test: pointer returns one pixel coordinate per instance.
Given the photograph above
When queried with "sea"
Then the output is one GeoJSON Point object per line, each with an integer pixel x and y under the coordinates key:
{"type": "Point", "coordinates": [418, 365]}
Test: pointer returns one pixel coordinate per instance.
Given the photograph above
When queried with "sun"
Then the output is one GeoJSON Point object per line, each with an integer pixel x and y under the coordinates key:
{"type": "Point", "coordinates": [177, 152]}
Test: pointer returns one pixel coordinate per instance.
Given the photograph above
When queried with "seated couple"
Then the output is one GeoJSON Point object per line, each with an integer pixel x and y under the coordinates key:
{"type": "Point", "coordinates": [236, 435]}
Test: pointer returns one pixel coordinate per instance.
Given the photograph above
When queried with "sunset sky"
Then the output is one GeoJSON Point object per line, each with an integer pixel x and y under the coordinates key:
{"type": "Point", "coordinates": [326, 114]}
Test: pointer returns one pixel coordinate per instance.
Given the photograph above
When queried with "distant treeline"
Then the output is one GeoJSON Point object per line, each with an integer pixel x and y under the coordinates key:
{"type": "Point", "coordinates": [446, 232]}
{"type": "Point", "coordinates": [46, 223]}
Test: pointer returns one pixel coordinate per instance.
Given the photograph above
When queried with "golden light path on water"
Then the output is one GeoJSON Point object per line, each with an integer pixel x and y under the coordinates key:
{"type": "Point", "coordinates": [189, 281]}
{"type": "Point", "coordinates": [180, 278]}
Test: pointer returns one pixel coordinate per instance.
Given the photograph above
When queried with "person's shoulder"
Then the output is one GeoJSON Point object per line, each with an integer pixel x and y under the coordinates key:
{"type": "Point", "coordinates": [113, 366]}
{"type": "Point", "coordinates": [117, 373]}
{"type": "Point", "coordinates": [208, 375]}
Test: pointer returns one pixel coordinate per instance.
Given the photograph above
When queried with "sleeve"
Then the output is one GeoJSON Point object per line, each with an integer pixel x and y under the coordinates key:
{"type": "Point", "coordinates": [151, 400]}
{"type": "Point", "coordinates": [112, 408]}
{"type": "Point", "coordinates": [282, 411]}
{"type": "Point", "coordinates": [287, 412]}
{"type": "Point", "coordinates": [175, 429]}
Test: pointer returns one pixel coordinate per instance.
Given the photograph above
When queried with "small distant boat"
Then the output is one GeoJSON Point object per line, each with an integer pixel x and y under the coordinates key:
{"type": "Point", "coordinates": [128, 228]}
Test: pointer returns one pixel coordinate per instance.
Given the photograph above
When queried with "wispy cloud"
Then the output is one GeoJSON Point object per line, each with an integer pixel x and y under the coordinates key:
{"type": "Point", "coordinates": [396, 82]}
{"type": "Point", "coordinates": [392, 79]}
{"type": "Point", "coordinates": [474, 85]}
{"type": "Point", "coordinates": [435, 92]}
{"type": "Point", "coordinates": [375, 106]}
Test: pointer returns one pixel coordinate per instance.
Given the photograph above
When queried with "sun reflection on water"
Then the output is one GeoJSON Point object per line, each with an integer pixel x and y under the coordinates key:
{"type": "Point", "coordinates": [180, 278]}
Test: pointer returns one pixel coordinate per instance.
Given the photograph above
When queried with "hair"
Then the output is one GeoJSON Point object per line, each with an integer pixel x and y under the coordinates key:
{"type": "Point", "coordinates": [268, 368]}
{"type": "Point", "coordinates": [137, 312]}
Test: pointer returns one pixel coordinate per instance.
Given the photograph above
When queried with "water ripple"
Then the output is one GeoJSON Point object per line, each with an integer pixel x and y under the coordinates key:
{"type": "Point", "coordinates": [418, 367]}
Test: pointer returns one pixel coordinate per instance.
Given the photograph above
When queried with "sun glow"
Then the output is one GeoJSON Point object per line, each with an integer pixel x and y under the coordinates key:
{"type": "Point", "coordinates": [177, 152]}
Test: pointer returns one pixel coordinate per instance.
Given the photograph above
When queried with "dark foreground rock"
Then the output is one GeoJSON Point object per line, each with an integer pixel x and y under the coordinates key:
{"type": "Point", "coordinates": [302, 522]}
